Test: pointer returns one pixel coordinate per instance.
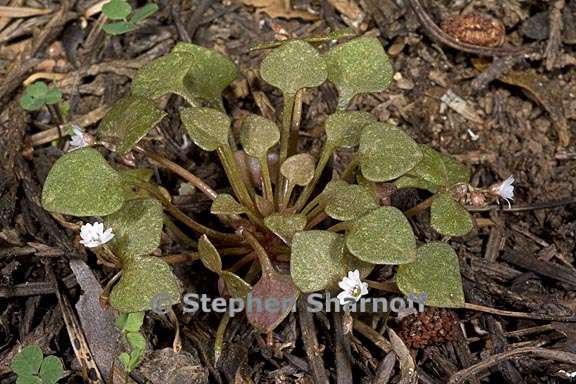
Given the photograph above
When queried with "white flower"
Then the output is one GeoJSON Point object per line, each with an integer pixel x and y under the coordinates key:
{"type": "Point", "coordinates": [504, 189]}
{"type": "Point", "coordinates": [78, 139]}
{"type": "Point", "coordinates": [352, 288]}
{"type": "Point", "coordinates": [94, 235]}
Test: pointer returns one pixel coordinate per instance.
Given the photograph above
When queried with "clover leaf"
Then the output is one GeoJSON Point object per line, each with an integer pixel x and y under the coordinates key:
{"type": "Point", "coordinates": [435, 273]}
{"type": "Point", "coordinates": [81, 183]}
{"type": "Point", "coordinates": [117, 9]}
{"type": "Point", "coordinates": [358, 66]}
{"type": "Point", "coordinates": [37, 94]}
{"type": "Point", "coordinates": [31, 366]}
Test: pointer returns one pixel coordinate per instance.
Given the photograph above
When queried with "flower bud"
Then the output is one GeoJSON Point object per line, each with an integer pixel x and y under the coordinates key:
{"type": "Point", "coordinates": [477, 199]}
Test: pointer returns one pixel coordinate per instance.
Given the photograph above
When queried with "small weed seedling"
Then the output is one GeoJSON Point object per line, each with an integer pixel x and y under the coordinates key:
{"type": "Point", "coordinates": [32, 367]}
{"type": "Point", "coordinates": [281, 219]}
{"type": "Point", "coordinates": [124, 18]}
{"type": "Point", "coordinates": [130, 324]}
{"type": "Point", "coordinates": [38, 95]}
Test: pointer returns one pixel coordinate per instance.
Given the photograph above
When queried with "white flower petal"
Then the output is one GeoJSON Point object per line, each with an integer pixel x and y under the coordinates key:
{"type": "Point", "coordinates": [345, 297]}
{"type": "Point", "coordinates": [346, 284]}
{"type": "Point", "coordinates": [364, 289]}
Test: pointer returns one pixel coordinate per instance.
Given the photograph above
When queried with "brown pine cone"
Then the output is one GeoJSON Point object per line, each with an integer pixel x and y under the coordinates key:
{"type": "Point", "coordinates": [433, 326]}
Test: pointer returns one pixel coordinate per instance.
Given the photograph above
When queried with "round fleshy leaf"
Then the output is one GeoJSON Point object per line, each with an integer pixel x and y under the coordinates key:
{"type": "Point", "coordinates": [144, 279]}
{"type": "Point", "coordinates": [298, 169]}
{"type": "Point", "coordinates": [383, 236]}
{"type": "Point", "coordinates": [358, 66]}
{"type": "Point", "coordinates": [165, 75]}
{"type": "Point", "coordinates": [235, 285]}
{"type": "Point", "coordinates": [438, 169]}
{"type": "Point", "coordinates": [343, 128]}
{"type": "Point", "coordinates": [285, 225]}
{"type": "Point", "coordinates": [27, 379]}
{"type": "Point", "coordinates": [30, 103]}
{"type": "Point", "coordinates": [386, 152]}
{"type": "Point", "coordinates": [351, 202]}
{"type": "Point", "coordinates": [258, 135]}
{"type": "Point", "coordinates": [435, 273]}
{"type": "Point", "coordinates": [293, 66]}
{"type": "Point", "coordinates": [38, 90]}
{"type": "Point", "coordinates": [28, 361]}
{"type": "Point", "coordinates": [319, 260]}
{"type": "Point", "coordinates": [225, 204]}
{"type": "Point", "coordinates": [449, 217]}
{"type": "Point", "coordinates": [209, 255]}
{"type": "Point", "coordinates": [51, 370]}
{"type": "Point", "coordinates": [207, 127]}
{"type": "Point", "coordinates": [117, 9]}
{"type": "Point", "coordinates": [333, 187]}
{"type": "Point", "coordinates": [53, 96]}
{"type": "Point", "coordinates": [81, 183]}
{"type": "Point", "coordinates": [209, 73]}
{"type": "Point", "coordinates": [137, 228]}
{"type": "Point", "coordinates": [129, 120]}
{"type": "Point", "coordinates": [272, 288]}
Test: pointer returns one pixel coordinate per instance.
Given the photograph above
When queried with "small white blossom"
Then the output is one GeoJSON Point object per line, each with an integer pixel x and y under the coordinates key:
{"type": "Point", "coordinates": [78, 139]}
{"type": "Point", "coordinates": [352, 288]}
{"type": "Point", "coordinates": [94, 235]}
{"type": "Point", "coordinates": [505, 190]}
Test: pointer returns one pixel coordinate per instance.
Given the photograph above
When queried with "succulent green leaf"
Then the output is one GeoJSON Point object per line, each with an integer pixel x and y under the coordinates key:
{"type": "Point", "coordinates": [81, 183]}
{"type": "Point", "coordinates": [319, 260]}
{"type": "Point", "coordinates": [209, 73]}
{"type": "Point", "coordinates": [130, 322]}
{"type": "Point", "coordinates": [258, 135]}
{"type": "Point", "coordinates": [386, 152]}
{"type": "Point", "coordinates": [119, 28]}
{"type": "Point", "coordinates": [298, 169]}
{"type": "Point", "coordinates": [436, 273]}
{"type": "Point", "coordinates": [117, 9]}
{"type": "Point", "coordinates": [207, 127]}
{"type": "Point", "coordinates": [125, 360]}
{"type": "Point", "coordinates": [333, 187]}
{"type": "Point", "coordinates": [408, 181]}
{"type": "Point", "coordinates": [351, 202]}
{"type": "Point", "coordinates": [190, 71]}
{"type": "Point", "coordinates": [53, 96]}
{"type": "Point", "coordinates": [449, 217]}
{"type": "Point", "coordinates": [137, 228]}
{"type": "Point", "coordinates": [293, 66]}
{"type": "Point", "coordinates": [274, 288]}
{"type": "Point", "coordinates": [235, 285]}
{"type": "Point", "coordinates": [358, 66]}
{"type": "Point", "coordinates": [226, 204]}
{"type": "Point", "coordinates": [129, 120]}
{"type": "Point", "coordinates": [30, 103]}
{"type": "Point", "coordinates": [439, 169]}
{"type": "Point", "coordinates": [28, 379]}
{"type": "Point", "coordinates": [164, 75]}
{"type": "Point", "coordinates": [285, 225]}
{"type": "Point", "coordinates": [51, 370]}
{"type": "Point", "coordinates": [130, 180]}
{"type": "Point", "coordinates": [28, 361]}
{"type": "Point", "coordinates": [144, 279]}
{"type": "Point", "coordinates": [343, 129]}
{"type": "Point", "coordinates": [209, 255]}
{"type": "Point", "coordinates": [144, 12]}
{"type": "Point", "coordinates": [38, 90]}
{"type": "Point", "coordinates": [383, 236]}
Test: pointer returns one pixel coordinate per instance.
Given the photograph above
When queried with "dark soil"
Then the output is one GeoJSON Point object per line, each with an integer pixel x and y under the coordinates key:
{"type": "Point", "coordinates": [518, 111]}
